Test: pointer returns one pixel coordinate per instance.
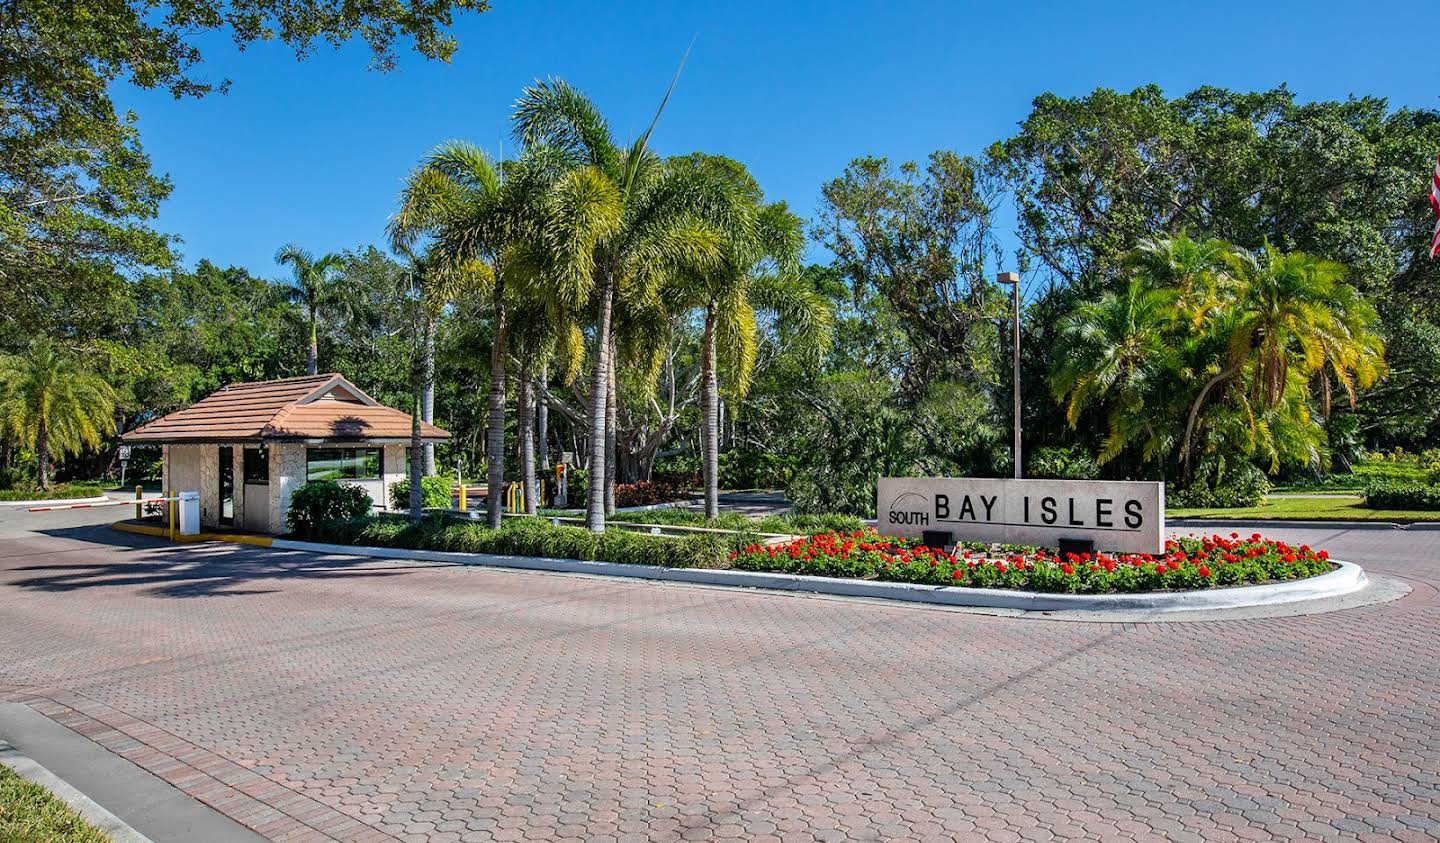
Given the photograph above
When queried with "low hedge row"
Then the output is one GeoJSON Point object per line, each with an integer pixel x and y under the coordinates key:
{"type": "Point", "coordinates": [535, 537]}
{"type": "Point", "coordinates": [797, 524]}
{"type": "Point", "coordinates": [1389, 494]}
{"type": "Point", "coordinates": [60, 491]}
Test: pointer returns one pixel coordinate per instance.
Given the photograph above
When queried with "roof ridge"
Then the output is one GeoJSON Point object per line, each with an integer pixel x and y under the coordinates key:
{"type": "Point", "coordinates": [325, 376]}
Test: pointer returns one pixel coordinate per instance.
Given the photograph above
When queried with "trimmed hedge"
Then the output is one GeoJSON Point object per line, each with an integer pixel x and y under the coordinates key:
{"type": "Point", "coordinates": [537, 537]}
{"type": "Point", "coordinates": [1388, 494]}
{"type": "Point", "coordinates": [60, 491]}
{"type": "Point", "coordinates": [798, 524]}
{"type": "Point", "coordinates": [434, 493]}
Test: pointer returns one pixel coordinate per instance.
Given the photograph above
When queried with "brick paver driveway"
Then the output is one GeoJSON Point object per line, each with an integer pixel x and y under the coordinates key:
{"type": "Point", "coordinates": [311, 696]}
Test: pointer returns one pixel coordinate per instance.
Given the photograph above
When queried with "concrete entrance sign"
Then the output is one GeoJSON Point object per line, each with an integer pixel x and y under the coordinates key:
{"type": "Point", "coordinates": [1126, 516]}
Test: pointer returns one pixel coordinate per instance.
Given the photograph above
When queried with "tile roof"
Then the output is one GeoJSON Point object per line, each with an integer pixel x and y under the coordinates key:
{"type": "Point", "coordinates": [308, 407]}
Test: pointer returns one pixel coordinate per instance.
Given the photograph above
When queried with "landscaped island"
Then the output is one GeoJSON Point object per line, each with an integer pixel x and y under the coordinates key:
{"type": "Point", "coordinates": [841, 547]}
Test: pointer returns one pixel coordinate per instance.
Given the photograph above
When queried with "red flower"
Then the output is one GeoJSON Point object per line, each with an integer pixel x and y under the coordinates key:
{"type": "Point", "coordinates": [1204, 571]}
{"type": "Point", "coordinates": [1160, 568]}
{"type": "Point", "coordinates": [957, 574]}
{"type": "Point", "coordinates": [1068, 568]}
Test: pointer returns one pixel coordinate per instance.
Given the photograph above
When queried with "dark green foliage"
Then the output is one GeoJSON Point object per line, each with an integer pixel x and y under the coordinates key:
{"type": "Point", "coordinates": [775, 524]}
{"type": "Point", "coordinates": [434, 493]}
{"type": "Point", "coordinates": [61, 491]}
{"type": "Point", "coordinates": [321, 503]}
{"type": "Point", "coordinates": [1243, 486]}
{"type": "Point", "coordinates": [537, 537]}
{"type": "Point", "coordinates": [1389, 494]}
{"type": "Point", "coordinates": [1072, 463]}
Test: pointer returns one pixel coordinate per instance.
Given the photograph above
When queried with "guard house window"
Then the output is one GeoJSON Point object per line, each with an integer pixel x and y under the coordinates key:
{"type": "Point", "coordinates": [257, 466]}
{"type": "Point", "coordinates": [342, 464]}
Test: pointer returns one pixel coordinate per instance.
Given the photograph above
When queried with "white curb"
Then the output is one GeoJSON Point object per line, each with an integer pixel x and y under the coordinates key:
{"type": "Point", "coordinates": [56, 502]}
{"type": "Point", "coordinates": [30, 770]}
{"type": "Point", "coordinates": [1346, 579]}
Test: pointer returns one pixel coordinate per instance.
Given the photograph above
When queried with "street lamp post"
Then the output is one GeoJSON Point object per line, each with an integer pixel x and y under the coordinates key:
{"type": "Point", "coordinates": [1013, 279]}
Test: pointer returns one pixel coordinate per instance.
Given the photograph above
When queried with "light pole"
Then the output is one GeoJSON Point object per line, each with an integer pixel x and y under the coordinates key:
{"type": "Point", "coordinates": [1013, 280]}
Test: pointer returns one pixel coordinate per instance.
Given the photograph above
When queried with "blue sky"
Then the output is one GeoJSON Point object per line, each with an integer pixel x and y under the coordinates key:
{"type": "Point", "coordinates": [314, 152]}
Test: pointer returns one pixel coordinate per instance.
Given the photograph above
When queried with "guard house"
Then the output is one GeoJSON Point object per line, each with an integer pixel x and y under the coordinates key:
{"type": "Point", "coordinates": [248, 447]}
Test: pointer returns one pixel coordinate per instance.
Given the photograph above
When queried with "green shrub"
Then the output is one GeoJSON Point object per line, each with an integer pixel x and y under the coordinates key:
{"type": "Point", "coordinates": [1073, 463]}
{"type": "Point", "coordinates": [319, 503]}
{"type": "Point", "coordinates": [1384, 494]}
{"type": "Point", "coordinates": [434, 493]}
{"type": "Point", "coordinates": [1242, 486]}
{"type": "Point", "coordinates": [59, 491]}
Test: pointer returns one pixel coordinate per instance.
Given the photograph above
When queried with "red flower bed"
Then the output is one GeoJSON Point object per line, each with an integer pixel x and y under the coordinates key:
{"type": "Point", "coordinates": [1191, 562]}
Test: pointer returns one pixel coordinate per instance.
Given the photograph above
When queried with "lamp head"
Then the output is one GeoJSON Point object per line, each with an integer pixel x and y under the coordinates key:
{"type": "Point", "coordinates": [1007, 278]}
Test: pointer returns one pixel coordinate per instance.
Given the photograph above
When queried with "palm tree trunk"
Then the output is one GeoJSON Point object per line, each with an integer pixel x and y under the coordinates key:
{"type": "Point", "coordinates": [612, 453]}
{"type": "Point", "coordinates": [42, 454]}
{"type": "Point", "coordinates": [525, 420]}
{"type": "Point", "coordinates": [542, 420]}
{"type": "Point", "coordinates": [599, 393]}
{"type": "Point", "coordinates": [427, 395]}
{"type": "Point", "coordinates": [495, 433]}
{"type": "Point", "coordinates": [312, 357]}
{"type": "Point", "coordinates": [710, 418]}
{"type": "Point", "coordinates": [1186, 443]}
{"type": "Point", "coordinates": [416, 500]}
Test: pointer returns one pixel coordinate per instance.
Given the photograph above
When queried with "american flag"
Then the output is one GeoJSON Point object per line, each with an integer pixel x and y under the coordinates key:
{"type": "Point", "coordinates": [1435, 203]}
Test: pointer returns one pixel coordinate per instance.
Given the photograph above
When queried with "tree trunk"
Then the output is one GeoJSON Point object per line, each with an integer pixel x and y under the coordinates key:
{"type": "Point", "coordinates": [42, 455]}
{"type": "Point", "coordinates": [612, 455]}
{"type": "Point", "coordinates": [1186, 443]}
{"type": "Point", "coordinates": [599, 392]}
{"type": "Point", "coordinates": [495, 434]}
{"type": "Point", "coordinates": [427, 396]}
{"type": "Point", "coordinates": [312, 357]}
{"type": "Point", "coordinates": [525, 421]}
{"type": "Point", "coordinates": [542, 422]}
{"type": "Point", "coordinates": [416, 501]}
{"type": "Point", "coordinates": [710, 419]}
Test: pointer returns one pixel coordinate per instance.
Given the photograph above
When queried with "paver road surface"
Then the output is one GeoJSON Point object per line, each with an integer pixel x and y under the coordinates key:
{"type": "Point", "coordinates": [316, 697]}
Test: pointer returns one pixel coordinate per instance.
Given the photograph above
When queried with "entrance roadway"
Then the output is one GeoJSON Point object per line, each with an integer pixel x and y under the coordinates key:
{"type": "Point", "coordinates": [311, 697]}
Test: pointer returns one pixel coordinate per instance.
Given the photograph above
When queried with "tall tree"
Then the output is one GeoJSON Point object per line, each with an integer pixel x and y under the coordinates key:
{"type": "Point", "coordinates": [76, 189]}
{"type": "Point", "coordinates": [763, 246]}
{"type": "Point", "coordinates": [619, 218]}
{"type": "Point", "coordinates": [475, 217]}
{"type": "Point", "coordinates": [312, 289]}
{"type": "Point", "coordinates": [50, 403]}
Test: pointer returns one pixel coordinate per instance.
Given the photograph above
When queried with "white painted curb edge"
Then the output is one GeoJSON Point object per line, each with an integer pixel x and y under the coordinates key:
{"type": "Point", "coordinates": [57, 502]}
{"type": "Point", "coordinates": [30, 770]}
{"type": "Point", "coordinates": [1348, 578]}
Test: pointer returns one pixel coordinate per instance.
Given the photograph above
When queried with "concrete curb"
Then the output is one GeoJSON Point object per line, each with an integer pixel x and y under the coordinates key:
{"type": "Point", "coordinates": [30, 770]}
{"type": "Point", "coordinates": [57, 501]}
{"type": "Point", "coordinates": [1348, 578]}
{"type": "Point", "coordinates": [1212, 523]}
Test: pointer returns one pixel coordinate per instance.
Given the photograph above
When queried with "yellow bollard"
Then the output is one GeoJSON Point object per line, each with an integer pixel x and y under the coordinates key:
{"type": "Point", "coordinates": [170, 505]}
{"type": "Point", "coordinates": [139, 493]}
{"type": "Point", "coordinates": [462, 497]}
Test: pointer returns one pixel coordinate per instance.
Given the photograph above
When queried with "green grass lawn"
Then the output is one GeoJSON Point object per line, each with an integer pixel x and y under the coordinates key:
{"type": "Point", "coordinates": [30, 814]}
{"type": "Point", "coordinates": [1309, 509]}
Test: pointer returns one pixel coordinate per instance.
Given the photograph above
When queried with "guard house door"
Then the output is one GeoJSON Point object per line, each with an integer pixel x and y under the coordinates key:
{"type": "Point", "coordinates": [227, 486]}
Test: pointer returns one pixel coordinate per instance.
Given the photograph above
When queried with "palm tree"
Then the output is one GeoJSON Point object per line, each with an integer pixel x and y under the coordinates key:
{"type": "Point", "coordinates": [457, 197]}
{"type": "Point", "coordinates": [763, 247]}
{"type": "Point", "coordinates": [618, 217]}
{"type": "Point", "coordinates": [1289, 309]}
{"type": "Point", "coordinates": [1120, 350]}
{"type": "Point", "coordinates": [311, 289]}
{"type": "Point", "coordinates": [49, 402]}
